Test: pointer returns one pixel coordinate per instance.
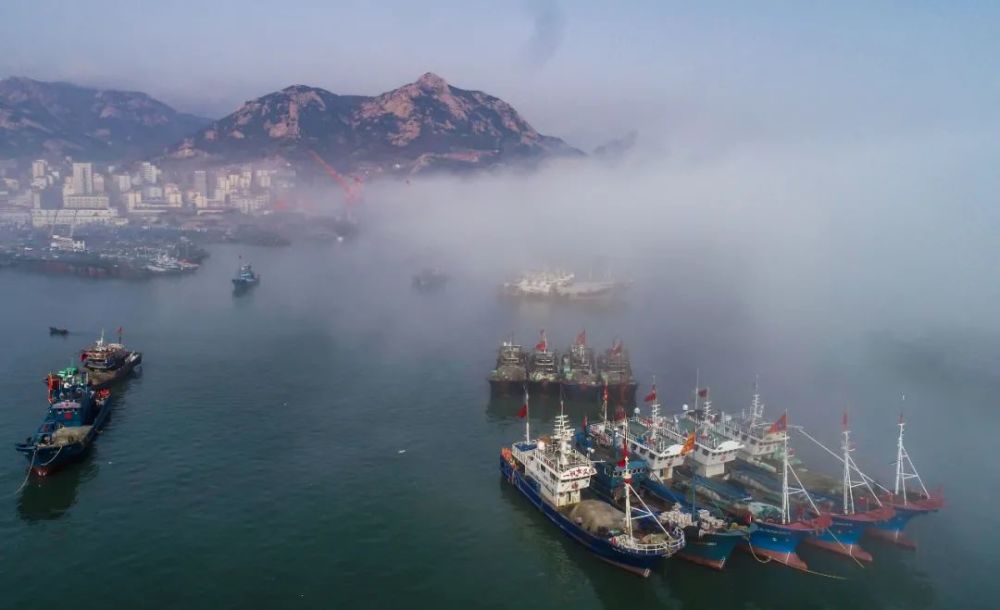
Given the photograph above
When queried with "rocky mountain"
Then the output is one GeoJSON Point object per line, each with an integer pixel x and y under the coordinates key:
{"type": "Point", "coordinates": [425, 124]}
{"type": "Point", "coordinates": [46, 119]}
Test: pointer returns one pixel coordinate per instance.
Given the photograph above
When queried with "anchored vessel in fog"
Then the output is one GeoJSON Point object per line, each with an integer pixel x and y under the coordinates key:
{"type": "Point", "coordinates": [553, 475]}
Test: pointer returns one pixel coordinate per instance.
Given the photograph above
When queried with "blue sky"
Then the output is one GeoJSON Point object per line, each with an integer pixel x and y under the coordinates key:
{"type": "Point", "coordinates": [583, 70]}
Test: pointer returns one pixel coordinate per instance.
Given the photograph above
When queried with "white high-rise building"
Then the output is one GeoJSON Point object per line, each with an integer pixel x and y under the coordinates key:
{"type": "Point", "coordinates": [83, 179]}
{"type": "Point", "coordinates": [150, 173]}
{"type": "Point", "coordinates": [39, 168]}
{"type": "Point", "coordinates": [201, 182]}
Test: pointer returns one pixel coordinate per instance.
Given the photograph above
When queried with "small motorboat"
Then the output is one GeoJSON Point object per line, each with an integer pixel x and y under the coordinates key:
{"type": "Point", "coordinates": [58, 331]}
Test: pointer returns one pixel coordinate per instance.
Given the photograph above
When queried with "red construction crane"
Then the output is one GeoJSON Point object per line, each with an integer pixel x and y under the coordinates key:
{"type": "Point", "coordinates": [352, 188]}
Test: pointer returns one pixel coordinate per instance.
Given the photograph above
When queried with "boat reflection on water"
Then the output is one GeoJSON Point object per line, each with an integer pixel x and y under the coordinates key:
{"type": "Point", "coordinates": [48, 498]}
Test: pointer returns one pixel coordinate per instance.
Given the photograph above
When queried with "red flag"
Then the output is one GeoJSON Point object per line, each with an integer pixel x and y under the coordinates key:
{"type": "Point", "coordinates": [581, 339]}
{"type": "Point", "coordinates": [621, 462]}
{"type": "Point", "coordinates": [83, 356]}
{"type": "Point", "coordinates": [703, 393]}
{"type": "Point", "coordinates": [523, 412]}
{"type": "Point", "coordinates": [605, 391]}
{"type": "Point", "coordinates": [543, 345]}
{"type": "Point", "coordinates": [781, 425]}
{"type": "Point", "coordinates": [652, 395]}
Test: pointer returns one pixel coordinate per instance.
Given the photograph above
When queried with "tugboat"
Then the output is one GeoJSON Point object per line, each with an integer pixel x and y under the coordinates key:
{"type": "Point", "coordinates": [579, 374]}
{"type": "Point", "coordinates": [510, 374]}
{"type": "Point", "coordinates": [553, 476]}
{"type": "Point", "coordinates": [429, 280]}
{"type": "Point", "coordinates": [615, 371]}
{"type": "Point", "coordinates": [77, 412]}
{"type": "Point", "coordinates": [106, 363]}
{"type": "Point", "coordinates": [543, 372]}
{"type": "Point", "coordinates": [245, 278]}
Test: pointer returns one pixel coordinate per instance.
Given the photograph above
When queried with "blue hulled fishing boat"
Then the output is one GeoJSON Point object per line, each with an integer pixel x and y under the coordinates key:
{"type": "Point", "coordinates": [77, 412]}
{"type": "Point", "coordinates": [907, 503]}
{"type": "Point", "coordinates": [553, 475]}
{"type": "Point", "coordinates": [708, 539]}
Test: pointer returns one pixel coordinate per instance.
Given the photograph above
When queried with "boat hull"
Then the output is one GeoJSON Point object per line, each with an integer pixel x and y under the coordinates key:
{"type": "Point", "coordinates": [641, 564]}
{"type": "Point", "coordinates": [543, 387]}
{"type": "Point", "coordinates": [506, 387]}
{"type": "Point", "coordinates": [711, 549]}
{"type": "Point", "coordinates": [103, 378]}
{"type": "Point", "coordinates": [581, 391]}
{"type": "Point", "coordinates": [843, 537]}
{"type": "Point", "coordinates": [622, 393]}
{"type": "Point", "coordinates": [45, 461]}
{"type": "Point", "coordinates": [774, 542]}
{"type": "Point", "coordinates": [892, 529]}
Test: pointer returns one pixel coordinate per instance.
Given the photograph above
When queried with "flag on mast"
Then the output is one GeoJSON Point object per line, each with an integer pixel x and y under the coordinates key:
{"type": "Point", "coordinates": [779, 426]}
{"type": "Point", "coordinates": [702, 392]}
{"type": "Point", "coordinates": [543, 345]}
{"type": "Point", "coordinates": [651, 397]}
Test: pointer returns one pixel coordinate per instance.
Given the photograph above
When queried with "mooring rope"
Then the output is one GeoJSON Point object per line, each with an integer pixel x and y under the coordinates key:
{"type": "Point", "coordinates": [28, 475]}
{"type": "Point", "coordinates": [806, 570]}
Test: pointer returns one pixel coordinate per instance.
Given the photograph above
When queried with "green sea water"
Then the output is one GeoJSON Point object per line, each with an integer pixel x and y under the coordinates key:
{"type": "Point", "coordinates": [328, 441]}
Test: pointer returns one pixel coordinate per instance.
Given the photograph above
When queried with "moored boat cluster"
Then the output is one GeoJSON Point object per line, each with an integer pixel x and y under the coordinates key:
{"type": "Point", "coordinates": [79, 405]}
{"type": "Point", "coordinates": [701, 484]}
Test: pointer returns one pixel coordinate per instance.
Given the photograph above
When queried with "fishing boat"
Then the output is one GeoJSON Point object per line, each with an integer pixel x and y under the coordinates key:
{"type": "Point", "coordinates": [906, 502]}
{"type": "Point", "coordinates": [709, 538]}
{"type": "Point", "coordinates": [579, 371]}
{"type": "Point", "coordinates": [778, 531]}
{"type": "Point", "coordinates": [245, 278]}
{"type": "Point", "coordinates": [76, 413]}
{"type": "Point", "coordinates": [106, 363]}
{"type": "Point", "coordinates": [751, 430]}
{"type": "Point", "coordinates": [58, 331]}
{"type": "Point", "coordinates": [510, 373]}
{"type": "Point", "coordinates": [852, 502]}
{"type": "Point", "coordinates": [542, 369]}
{"type": "Point", "coordinates": [615, 371]}
{"type": "Point", "coordinates": [553, 476]}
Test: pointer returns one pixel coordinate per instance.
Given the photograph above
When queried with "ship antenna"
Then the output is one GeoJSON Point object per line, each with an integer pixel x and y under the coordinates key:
{"type": "Point", "coordinates": [627, 479]}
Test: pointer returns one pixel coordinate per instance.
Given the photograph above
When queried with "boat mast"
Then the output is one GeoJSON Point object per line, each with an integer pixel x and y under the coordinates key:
{"type": "Point", "coordinates": [527, 417]}
{"type": "Point", "coordinates": [627, 478]}
{"type": "Point", "coordinates": [756, 408]}
{"type": "Point", "coordinates": [784, 480]}
{"type": "Point", "coordinates": [905, 469]}
{"type": "Point", "coordinates": [848, 484]}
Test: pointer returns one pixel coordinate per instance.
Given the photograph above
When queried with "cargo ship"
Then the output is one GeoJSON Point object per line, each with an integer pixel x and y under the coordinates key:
{"type": "Point", "coordinates": [77, 412]}
{"type": "Point", "coordinates": [615, 371]}
{"type": "Point", "coordinates": [553, 476]}
{"type": "Point", "coordinates": [542, 368]}
{"type": "Point", "coordinates": [509, 377]}
{"type": "Point", "coordinates": [106, 363]}
{"type": "Point", "coordinates": [579, 371]}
